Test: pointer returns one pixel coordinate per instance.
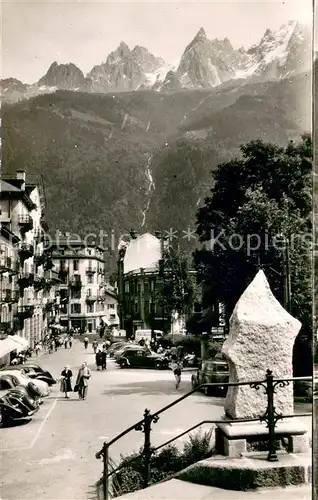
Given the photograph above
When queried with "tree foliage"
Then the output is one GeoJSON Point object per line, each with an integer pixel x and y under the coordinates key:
{"type": "Point", "coordinates": [258, 203]}
{"type": "Point", "coordinates": [178, 291]}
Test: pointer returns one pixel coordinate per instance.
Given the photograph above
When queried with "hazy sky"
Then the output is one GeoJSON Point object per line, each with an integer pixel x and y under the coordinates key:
{"type": "Point", "coordinates": [34, 34]}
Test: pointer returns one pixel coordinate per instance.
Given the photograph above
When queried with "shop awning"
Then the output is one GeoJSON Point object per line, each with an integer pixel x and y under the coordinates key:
{"type": "Point", "coordinates": [23, 343]}
{"type": "Point", "coordinates": [8, 345]}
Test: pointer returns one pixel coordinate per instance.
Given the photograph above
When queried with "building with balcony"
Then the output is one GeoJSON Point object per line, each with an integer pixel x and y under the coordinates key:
{"type": "Point", "coordinates": [9, 295]}
{"type": "Point", "coordinates": [21, 216]}
{"type": "Point", "coordinates": [138, 283]}
{"type": "Point", "coordinates": [81, 269]}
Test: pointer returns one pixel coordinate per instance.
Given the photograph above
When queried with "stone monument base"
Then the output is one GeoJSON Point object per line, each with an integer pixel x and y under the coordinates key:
{"type": "Point", "coordinates": [251, 472]}
{"type": "Point", "coordinates": [231, 438]}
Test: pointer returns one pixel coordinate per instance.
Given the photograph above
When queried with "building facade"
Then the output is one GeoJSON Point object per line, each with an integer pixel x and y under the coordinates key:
{"type": "Point", "coordinates": [81, 269]}
{"type": "Point", "coordinates": [138, 283]}
{"type": "Point", "coordinates": [30, 279]}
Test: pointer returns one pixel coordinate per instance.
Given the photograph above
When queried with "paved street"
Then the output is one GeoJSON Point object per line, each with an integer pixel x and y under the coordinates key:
{"type": "Point", "coordinates": [53, 456]}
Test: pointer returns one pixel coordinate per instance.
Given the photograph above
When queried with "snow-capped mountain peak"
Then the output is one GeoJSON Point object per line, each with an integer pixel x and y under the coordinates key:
{"type": "Point", "coordinates": [205, 63]}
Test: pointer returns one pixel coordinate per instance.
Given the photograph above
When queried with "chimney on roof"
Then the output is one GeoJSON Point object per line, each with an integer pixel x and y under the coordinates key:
{"type": "Point", "coordinates": [21, 177]}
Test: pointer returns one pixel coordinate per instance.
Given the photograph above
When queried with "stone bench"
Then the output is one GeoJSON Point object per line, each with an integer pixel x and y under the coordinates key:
{"type": "Point", "coordinates": [231, 438]}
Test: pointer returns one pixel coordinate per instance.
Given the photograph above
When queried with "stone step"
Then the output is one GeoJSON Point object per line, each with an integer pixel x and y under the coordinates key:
{"type": "Point", "coordinates": [250, 471]}
{"type": "Point", "coordinates": [248, 477]}
{"type": "Point", "coordinates": [180, 490]}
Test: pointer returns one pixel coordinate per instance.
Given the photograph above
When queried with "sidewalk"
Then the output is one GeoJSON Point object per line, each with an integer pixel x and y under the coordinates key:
{"type": "Point", "coordinates": [181, 490]}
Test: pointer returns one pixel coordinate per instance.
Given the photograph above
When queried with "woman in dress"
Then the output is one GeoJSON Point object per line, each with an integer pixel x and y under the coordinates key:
{"type": "Point", "coordinates": [83, 376]}
{"type": "Point", "coordinates": [66, 385]}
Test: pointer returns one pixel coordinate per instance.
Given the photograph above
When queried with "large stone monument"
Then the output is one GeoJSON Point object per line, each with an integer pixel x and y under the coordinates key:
{"type": "Point", "coordinates": [262, 336]}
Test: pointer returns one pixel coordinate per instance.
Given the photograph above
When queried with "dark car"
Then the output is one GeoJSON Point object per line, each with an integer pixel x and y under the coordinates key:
{"type": "Point", "coordinates": [214, 370]}
{"type": "Point", "coordinates": [131, 347]}
{"type": "Point", "coordinates": [141, 358]}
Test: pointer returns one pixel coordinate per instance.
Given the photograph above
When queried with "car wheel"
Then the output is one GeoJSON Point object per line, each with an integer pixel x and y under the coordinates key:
{"type": "Point", "coordinates": [123, 364]}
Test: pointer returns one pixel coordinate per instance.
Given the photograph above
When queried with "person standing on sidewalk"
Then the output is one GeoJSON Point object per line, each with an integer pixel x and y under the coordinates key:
{"type": "Point", "coordinates": [83, 376]}
{"type": "Point", "coordinates": [99, 359]}
{"type": "Point", "coordinates": [66, 385]}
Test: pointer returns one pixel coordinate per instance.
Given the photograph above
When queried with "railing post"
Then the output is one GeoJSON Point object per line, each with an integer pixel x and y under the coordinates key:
{"type": "Point", "coordinates": [147, 447]}
{"type": "Point", "coordinates": [105, 471]}
{"type": "Point", "coordinates": [271, 421]}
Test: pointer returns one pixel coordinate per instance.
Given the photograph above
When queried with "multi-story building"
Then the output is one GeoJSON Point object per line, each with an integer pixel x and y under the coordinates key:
{"type": "Point", "coordinates": [81, 269]}
{"type": "Point", "coordinates": [111, 317]}
{"type": "Point", "coordinates": [30, 279]}
{"type": "Point", "coordinates": [138, 283]}
{"type": "Point", "coordinates": [9, 295]}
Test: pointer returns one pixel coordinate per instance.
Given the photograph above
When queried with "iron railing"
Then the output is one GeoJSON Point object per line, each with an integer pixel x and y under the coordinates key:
{"type": "Point", "coordinates": [270, 417]}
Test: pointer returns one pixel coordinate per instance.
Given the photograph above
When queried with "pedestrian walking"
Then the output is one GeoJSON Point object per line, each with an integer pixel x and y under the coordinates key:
{"type": "Point", "coordinates": [99, 359]}
{"type": "Point", "coordinates": [85, 342]}
{"type": "Point", "coordinates": [104, 359]}
{"type": "Point", "coordinates": [65, 343]}
{"type": "Point", "coordinates": [95, 346]}
{"type": "Point", "coordinates": [70, 341]}
{"type": "Point", "coordinates": [66, 385]}
{"type": "Point", "coordinates": [37, 348]}
{"type": "Point", "coordinates": [83, 376]}
{"type": "Point", "coordinates": [176, 367]}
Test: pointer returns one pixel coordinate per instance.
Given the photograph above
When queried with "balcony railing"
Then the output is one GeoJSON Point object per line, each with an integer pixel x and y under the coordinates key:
{"type": "Point", "coordinates": [25, 280]}
{"type": "Point", "coordinates": [91, 270]}
{"type": "Point", "coordinates": [6, 264]}
{"type": "Point", "coordinates": [5, 326]}
{"type": "Point", "coordinates": [92, 297]}
{"type": "Point", "coordinates": [25, 222]}
{"type": "Point", "coordinates": [75, 283]}
{"type": "Point", "coordinates": [39, 283]}
{"type": "Point", "coordinates": [25, 251]}
{"type": "Point", "coordinates": [25, 311]}
{"type": "Point", "coordinates": [7, 296]}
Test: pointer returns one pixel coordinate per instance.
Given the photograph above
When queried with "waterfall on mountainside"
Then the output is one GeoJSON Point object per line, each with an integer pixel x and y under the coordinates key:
{"type": "Point", "coordinates": [151, 187]}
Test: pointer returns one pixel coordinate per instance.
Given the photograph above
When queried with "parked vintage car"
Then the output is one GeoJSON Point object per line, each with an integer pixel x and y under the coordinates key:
{"type": "Point", "coordinates": [116, 346]}
{"type": "Point", "coordinates": [12, 408]}
{"type": "Point", "coordinates": [142, 358]}
{"type": "Point", "coordinates": [33, 372]}
{"type": "Point", "coordinates": [132, 347]}
{"type": "Point", "coordinates": [214, 370]}
{"type": "Point", "coordinates": [12, 378]}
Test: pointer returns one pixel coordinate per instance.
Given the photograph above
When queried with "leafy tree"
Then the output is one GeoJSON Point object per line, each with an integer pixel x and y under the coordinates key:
{"type": "Point", "coordinates": [178, 291]}
{"type": "Point", "coordinates": [260, 209]}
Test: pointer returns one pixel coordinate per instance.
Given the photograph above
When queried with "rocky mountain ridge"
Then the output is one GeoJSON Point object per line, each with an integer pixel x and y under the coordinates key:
{"type": "Point", "coordinates": [204, 64]}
